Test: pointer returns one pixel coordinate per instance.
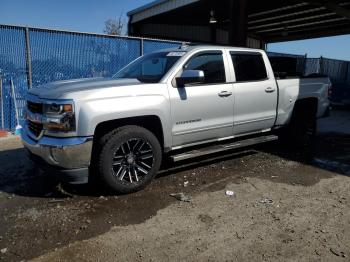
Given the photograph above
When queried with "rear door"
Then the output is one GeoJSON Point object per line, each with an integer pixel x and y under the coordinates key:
{"type": "Point", "coordinates": [255, 93]}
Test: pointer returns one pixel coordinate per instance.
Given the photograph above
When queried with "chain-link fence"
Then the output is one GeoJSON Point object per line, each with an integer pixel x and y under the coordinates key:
{"type": "Point", "coordinates": [32, 57]}
{"type": "Point", "coordinates": [337, 70]}
{"type": "Point", "coordinates": [294, 63]}
{"type": "Point", "coordinates": [339, 73]}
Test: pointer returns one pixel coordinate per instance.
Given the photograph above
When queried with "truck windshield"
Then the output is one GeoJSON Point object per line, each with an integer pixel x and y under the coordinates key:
{"type": "Point", "coordinates": [151, 67]}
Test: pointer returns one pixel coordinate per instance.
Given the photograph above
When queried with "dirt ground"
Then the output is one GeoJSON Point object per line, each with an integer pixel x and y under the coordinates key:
{"type": "Point", "coordinates": [287, 206]}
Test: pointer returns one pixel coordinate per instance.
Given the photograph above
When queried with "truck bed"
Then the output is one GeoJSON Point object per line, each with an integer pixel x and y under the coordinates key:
{"type": "Point", "coordinates": [295, 88]}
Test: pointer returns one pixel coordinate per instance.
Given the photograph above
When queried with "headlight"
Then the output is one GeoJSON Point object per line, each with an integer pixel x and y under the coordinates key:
{"type": "Point", "coordinates": [59, 117]}
{"type": "Point", "coordinates": [58, 109]}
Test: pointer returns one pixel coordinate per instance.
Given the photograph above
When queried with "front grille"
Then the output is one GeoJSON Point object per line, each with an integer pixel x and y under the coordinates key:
{"type": "Point", "coordinates": [35, 128]}
{"type": "Point", "coordinates": [35, 107]}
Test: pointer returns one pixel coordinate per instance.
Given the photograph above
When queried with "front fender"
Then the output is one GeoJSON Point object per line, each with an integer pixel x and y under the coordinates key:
{"type": "Point", "coordinates": [94, 112]}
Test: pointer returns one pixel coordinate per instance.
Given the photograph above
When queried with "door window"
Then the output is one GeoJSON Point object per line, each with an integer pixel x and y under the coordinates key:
{"type": "Point", "coordinates": [212, 64]}
{"type": "Point", "coordinates": [249, 67]}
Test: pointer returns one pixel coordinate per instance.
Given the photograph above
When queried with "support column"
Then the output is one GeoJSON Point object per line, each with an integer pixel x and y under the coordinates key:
{"type": "Point", "coordinates": [213, 33]}
{"type": "Point", "coordinates": [238, 28]}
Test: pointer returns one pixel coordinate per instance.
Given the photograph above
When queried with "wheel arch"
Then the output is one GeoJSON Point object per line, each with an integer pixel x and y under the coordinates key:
{"type": "Point", "coordinates": [310, 104]}
{"type": "Point", "coordinates": [150, 122]}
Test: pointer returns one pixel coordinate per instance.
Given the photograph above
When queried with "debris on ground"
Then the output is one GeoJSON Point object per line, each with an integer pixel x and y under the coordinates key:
{"type": "Point", "coordinates": [11, 196]}
{"type": "Point", "coordinates": [3, 251]}
{"type": "Point", "coordinates": [337, 252]}
{"type": "Point", "coordinates": [60, 189]}
{"type": "Point", "coordinates": [103, 198]}
{"type": "Point", "coordinates": [186, 183]}
{"type": "Point", "coordinates": [230, 193]}
{"type": "Point", "coordinates": [267, 201]}
{"type": "Point", "coordinates": [53, 201]}
{"type": "Point", "coordinates": [181, 197]}
{"type": "Point", "coordinates": [30, 227]}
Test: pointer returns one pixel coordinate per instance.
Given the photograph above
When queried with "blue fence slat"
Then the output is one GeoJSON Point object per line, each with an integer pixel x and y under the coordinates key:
{"type": "Point", "coordinates": [153, 45]}
{"type": "Point", "coordinates": [60, 55]}
{"type": "Point", "coordinates": [12, 66]}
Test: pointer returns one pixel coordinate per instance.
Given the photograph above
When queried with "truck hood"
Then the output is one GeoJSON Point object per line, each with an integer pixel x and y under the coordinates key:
{"type": "Point", "coordinates": [55, 90]}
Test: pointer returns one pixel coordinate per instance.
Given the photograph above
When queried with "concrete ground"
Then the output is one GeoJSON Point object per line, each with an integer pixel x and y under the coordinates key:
{"type": "Point", "coordinates": [287, 206]}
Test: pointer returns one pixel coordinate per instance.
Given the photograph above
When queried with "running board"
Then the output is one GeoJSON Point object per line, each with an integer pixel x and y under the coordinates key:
{"type": "Point", "coordinates": [221, 148]}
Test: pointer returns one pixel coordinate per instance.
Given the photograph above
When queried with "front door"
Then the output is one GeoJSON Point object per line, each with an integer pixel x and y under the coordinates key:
{"type": "Point", "coordinates": [203, 112]}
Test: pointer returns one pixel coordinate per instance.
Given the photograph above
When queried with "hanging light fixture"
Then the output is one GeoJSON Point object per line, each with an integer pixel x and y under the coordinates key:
{"type": "Point", "coordinates": [212, 19]}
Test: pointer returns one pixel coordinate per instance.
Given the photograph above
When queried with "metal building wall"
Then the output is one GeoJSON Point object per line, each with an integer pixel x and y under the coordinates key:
{"type": "Point", "coordinates": [192, 33]}
{"type": "Point", "coordinates": [185, 32]}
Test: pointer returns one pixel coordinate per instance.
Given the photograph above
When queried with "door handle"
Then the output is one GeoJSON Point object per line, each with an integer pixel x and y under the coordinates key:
{"type": "Point", "coordinates": [225, 94]}
{"type": "Point", "coordinates": [270, 90]}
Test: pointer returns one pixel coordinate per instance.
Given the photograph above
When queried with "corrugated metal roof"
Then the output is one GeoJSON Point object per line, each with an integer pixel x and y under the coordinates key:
{"type": "Point", "coordinates": [157, 7]}
{"type": "Point", "coordinates": [147, 6]}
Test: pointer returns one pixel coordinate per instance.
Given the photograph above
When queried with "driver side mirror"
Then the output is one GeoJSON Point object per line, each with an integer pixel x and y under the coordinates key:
{"type": "Point", "coordinates": [190, 77]}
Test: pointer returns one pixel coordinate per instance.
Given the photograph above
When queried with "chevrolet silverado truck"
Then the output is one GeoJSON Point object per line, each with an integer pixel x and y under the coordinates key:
{"type": "Point", "coordinates": [175, 103]}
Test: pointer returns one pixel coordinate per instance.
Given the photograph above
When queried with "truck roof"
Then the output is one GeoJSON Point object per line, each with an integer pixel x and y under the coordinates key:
{"type": "Point", "coordinates": [187, 48]}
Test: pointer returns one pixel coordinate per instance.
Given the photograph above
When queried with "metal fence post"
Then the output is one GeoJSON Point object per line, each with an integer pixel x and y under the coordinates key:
{"type": "Point", "coordinates": [2, 105]}
{"type": "Point", "coordinates": [321, 65]}
{"type": "Point", "coordinates": [141, 47]}
{"type": "Point", "coordinates": [304, 64]}
{"type": "Point", "coordinates": [28, 59]}
{"type": "Point", "coordinates": [14, 100]}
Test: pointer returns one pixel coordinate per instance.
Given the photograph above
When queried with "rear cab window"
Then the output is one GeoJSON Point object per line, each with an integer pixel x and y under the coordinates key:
{"type": "Point", "coordinates": [249, 66]}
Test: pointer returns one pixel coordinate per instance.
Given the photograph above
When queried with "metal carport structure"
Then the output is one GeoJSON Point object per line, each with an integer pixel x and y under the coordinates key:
{"type": "Point", "coordinates": [241, 22]}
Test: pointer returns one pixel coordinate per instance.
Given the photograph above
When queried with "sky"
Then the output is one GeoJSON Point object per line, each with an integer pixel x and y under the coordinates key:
{"type": "Point", "coordinates": [90, 15]}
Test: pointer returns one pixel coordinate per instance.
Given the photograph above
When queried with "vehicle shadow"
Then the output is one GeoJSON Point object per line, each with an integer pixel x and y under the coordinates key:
{"type": "Point", "coordinates": [331, 152]}
{"type": "Point", "coordinates": [19, 176]}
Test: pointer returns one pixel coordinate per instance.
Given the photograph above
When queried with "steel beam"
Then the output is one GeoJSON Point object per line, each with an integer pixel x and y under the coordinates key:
{"type": "Point", "coordinates": [287, 22]}
{"type": "Point", "coordinates": [292, 14]}
{"type": "Point", "coordinates": [308, 33]}
{"type": "Point", "coordinates": [285, 8]}
{"type": "Point", "coordinates": [288, 28]}
{"type": "Point", "coordinates": [341, 11]}
{"type": "Point", "coordinates": [238, 27]}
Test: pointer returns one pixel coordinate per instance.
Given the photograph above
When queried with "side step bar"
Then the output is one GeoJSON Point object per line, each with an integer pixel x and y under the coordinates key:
{"type": "Point", "coordinates": [222, 148]}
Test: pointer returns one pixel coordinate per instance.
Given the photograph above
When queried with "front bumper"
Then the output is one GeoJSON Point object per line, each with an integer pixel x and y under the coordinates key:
{"type": "Point", "coordinates": [67, 158]}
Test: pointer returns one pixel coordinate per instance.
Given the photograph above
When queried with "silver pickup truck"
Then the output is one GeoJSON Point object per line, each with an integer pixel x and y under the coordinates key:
{"type": "Point", "coordinates": [175, 103]}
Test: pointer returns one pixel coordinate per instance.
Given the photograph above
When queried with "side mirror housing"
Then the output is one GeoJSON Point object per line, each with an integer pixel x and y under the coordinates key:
{"type": "Point", "coordinates": [190, 77]}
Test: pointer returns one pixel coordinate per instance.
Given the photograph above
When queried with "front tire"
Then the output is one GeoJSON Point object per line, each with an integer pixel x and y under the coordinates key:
{"type": "Point", "coordinates": [129, 158]}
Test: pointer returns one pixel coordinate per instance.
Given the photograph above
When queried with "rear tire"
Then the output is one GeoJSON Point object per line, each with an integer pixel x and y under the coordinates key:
{"type": "Point", "coordinates": [302, 128]}
{"type": "Point", "coordinates": [129, 158]}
